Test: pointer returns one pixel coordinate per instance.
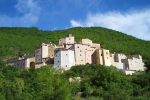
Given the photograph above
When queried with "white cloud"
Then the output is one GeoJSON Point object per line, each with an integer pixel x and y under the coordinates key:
{"type": "Point", "coordinates": [135, 23]}
{"type": "Point", "coordinates": [30, 11]}
{"type": "Point", "coordinates": [75, 23]}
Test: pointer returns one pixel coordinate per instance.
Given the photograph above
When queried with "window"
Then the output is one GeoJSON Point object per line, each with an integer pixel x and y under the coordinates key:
{"type": "Point", "coordinates": [80, 50]}
{"type": "Point", "coordinates": [59, 40]}
{"type": "Point", "coordinates": [58, 65]}
{"type": "Point", "coordinates": [77, 46]}
{"type": "Point", "coordinates": [69, 39]}
{"type": "Point", "coordinates": [101, 54]}
{"type": "Point", "coordinates": [39, 59]}
{"type": "Point", "coordinates": [81, 60]}
{"type": "Point", "coordinates": [80, 54]}
{"type": "Point", "coordinates": [58, 61]}
{"type": "Point", "coordinates": [106, 53]}
{"type": "Point", "coordinates": [66, 54]}
{"type": "Point", "coordinates": [107, 57]}
{"type": "Point", "coordinates": [51, 51]}
{"type": "Point", "coordinates": [22, 63]}
{"type": "Point", "coordinates": [66, 65]}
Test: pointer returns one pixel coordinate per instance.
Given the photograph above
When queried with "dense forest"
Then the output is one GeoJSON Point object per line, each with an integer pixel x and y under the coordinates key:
{"type": "Point", "coordinates": [46, 83]}
{"type": "Point", "coordinates": [97, 83]}
{"type": "Point", "coordinates": [16, 41]}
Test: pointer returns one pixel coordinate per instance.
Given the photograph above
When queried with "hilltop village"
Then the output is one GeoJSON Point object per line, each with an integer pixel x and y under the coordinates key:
{"type": "Point", "coordinates": [69, 53]}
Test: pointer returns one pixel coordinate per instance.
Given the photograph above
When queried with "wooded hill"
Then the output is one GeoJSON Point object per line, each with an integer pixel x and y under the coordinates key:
{"type": "Point", "coordinates": [16, 41]}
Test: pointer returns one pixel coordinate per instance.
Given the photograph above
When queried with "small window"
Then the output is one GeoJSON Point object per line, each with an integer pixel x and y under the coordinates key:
{"type": "Point", "coordinates": [81, 60]}
{"type": "Point", "coordinates": [59, 40]}
{"type": "Point", "coordinates": [58, 65]}
{"type": "Point", "coordinates": [107, 57]}
{"type": "Point", "coordinates": [77, 46]}
{"type": "Point", "coordinates": [87, 59]}
{"type": "Point", "coordinates": [66, 65]}
{"type": "Point", "coordinates": [69, 39]}
{"type": "Point", "coordinates": [58, 61]}
{"type": "Point", "coordinates": [80, 54]}
{"type": "Point", "coordinates": [106, 53]}
{"type": "Point", "coordinates": [101, 54]}
{"type": "Point", "coordinates": [39, 59]}
{"type": "Point", "coordinates": [80, 50]}
{"type": "Point", "coordinates": [66, 54]}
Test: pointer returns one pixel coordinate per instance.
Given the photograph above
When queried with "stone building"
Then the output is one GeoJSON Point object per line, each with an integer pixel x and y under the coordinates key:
{"type": "Point", "coordinates": [79, 53]}
{"type": "Point", "coordinates": [64, 58]}
{"type": "Point", "coordinates": [23, 62]}
{"type": "Point", "coordinates": [103, 57]}
{"type": "Point", "coordinates": [69, 53]}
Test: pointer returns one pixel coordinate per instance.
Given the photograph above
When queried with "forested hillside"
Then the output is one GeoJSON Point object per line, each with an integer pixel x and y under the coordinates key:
{"type": "Point", "coordinates": [16, 41]}
{"type": "Point", "coordinates": [97, 82]}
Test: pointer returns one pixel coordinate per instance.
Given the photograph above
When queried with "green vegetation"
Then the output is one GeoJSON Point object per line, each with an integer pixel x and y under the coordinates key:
{"type": "Point", "coordinates": [16, 41]}
{"type": "Point", "coordinates": [98, 83]}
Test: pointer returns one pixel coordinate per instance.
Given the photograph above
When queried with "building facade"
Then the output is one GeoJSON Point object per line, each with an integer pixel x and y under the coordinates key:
{"type": "Point", "coordinates": [68, 53]}
{"type": "Point", "coordinates": [64, 58]}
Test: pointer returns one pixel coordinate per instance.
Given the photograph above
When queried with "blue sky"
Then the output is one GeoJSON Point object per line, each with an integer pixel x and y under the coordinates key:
{"type": "Point", "coordinates": [128, 16]}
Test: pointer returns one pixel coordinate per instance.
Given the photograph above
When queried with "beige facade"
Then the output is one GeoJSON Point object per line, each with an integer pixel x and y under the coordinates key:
{"type": "Point", "coordinates": [79, 54]}
{"type": "Point", "coordinates": [106, 57]}
{"type": "Point", "coordinates": [68, 40]}
{"type": "Point", "coordinates": [51, 49]}
{"type": "Point", "coordinates": [85, 41]}
{"type": "Point", "coordinates": [96, 45]}
{"type": "Point", "coordinates": [60, 46]}
{"type": "Point", "coordinates": [99, 56]}
{"type": "Point", "coordinates": [22, 62]}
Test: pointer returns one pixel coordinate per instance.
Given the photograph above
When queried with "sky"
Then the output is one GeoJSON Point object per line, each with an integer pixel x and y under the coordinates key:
{"type": "Point", "coordinates": [131, 17]}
